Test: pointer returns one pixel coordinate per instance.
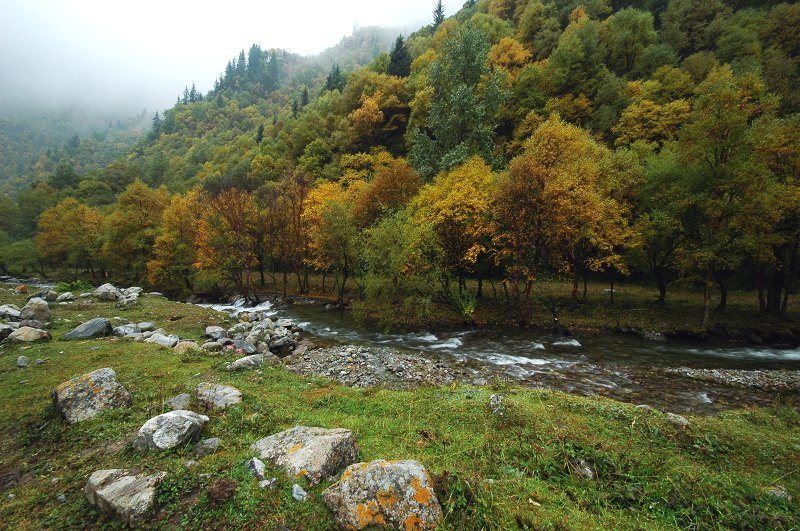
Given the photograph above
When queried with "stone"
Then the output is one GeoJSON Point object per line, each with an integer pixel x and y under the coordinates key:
{"type": "Point", "coordinates": [86, 295]}
{"type": "Point", "coordinates": [36, 308]}
{"type": "Point", "coordinates": [22, 362]}
{"type": "Point", "coordinates": [247, 362]}
{"type": "Point", "coordinates": [163, 340]}
{"type": "Point", "coordinates": [298, 493]}
{"type": "Point", "coordinates": [48, 295]}
{"type": "Point", "coordinates": [207, 446]}
{"type": "Point", "coordinates": [66, 296]}
{"type": "Point", "coordinates": [21, 290]}
{"type": "Point", "coordinates": [212, 346]}
{"type": "Point", "coordinates": [256, 467]}
{"type": "Point", "coordinates": [125, 494]}
{"type": "Point", "coordinates": [244, 346]}
{"type": "Point", "coordinates": [133, 291]}
{"type": "Point", "coordinates": [677, 420]}
{"type": "Point", "coordinates": [585, 469]}
{"type": "Point", "coordinates": [316, 453]}
{"type": "Point", "coordinates": [267, 483]}
{"type": "Point", "coordinates": [281, 346]}
{"type": "Point", "coordinates": [181, 401]}
{"type": "Point", "coordinates": [33, 323]}
{"type": "Point", "coordinates": [185, 346]}
{"type": "Point", "coordinates": [127, 302]}
{"type": "Point", "coordinates": [61, 498]}
{"type": "Point", "coordinates": [146, 326]}
{"type": "Point", "coordinates": [170, 430]}
{"type": "Point", "coordinates": [5, 331]}
{"type": "Point", "coordinates": [780, 492]}
{"type": "Point", "coordinates": [9, 311]}
{"type": "Point", "coordinates": [496, 405]}
{"type": "Point", "coordinates": [97, 327]}
{"type": "Point", "coordinates": [215, 332]}
{"type": "Point", "coordinates": [386, 494]}
{"type": "Point", "coordinates": [86, 396]}
{"type": "Point", "coordinates": [107, 292]}
{"type": "Point", "coordinates": [26, 334]}
{"type": "Point", "coordinates": [127, 330]}
{"type": "Point", "coordinates": [217, 395]}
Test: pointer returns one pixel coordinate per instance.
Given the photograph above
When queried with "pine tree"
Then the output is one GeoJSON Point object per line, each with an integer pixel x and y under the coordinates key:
{"type": "Point", "coordinates": [156, 130]}
{"type": "Point", "coordinates": [241, 66]}
{"type": "Point", "coordinates": [294, 108]}
{"type": "Point", "coordinates": [399, 59]}
{"type": "Point", "coordinates": [193, 94]}
{"type": "Point", "coordinates": [438, 14]}
{"type": "Point", "coordinates": [274, 72]}
{"type": "Point", "coordinates": [185, 98]}
{"type": "Point", "coordinates": [334, 81]}
{"type": "Point", "coordinates": [255, 63]}
{"type": "Point", "coordinates": [304, 98]}
{"type": "Point", "coordinates": [260, 134]}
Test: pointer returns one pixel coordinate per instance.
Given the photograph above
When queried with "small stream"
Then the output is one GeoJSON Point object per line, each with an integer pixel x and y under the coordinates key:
{"type": "Point", "coordinates": [626, 368]}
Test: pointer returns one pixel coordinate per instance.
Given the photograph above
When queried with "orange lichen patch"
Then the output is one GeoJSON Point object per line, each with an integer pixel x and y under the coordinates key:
{"type": "Point", "coordinates": [294, 448]}
{"type": "Point", "coordinates": [347, 474]}
{"type": "Point", "coordinates": [363, 466]}
{"type": "Point", "coordinates": [369, 514]}
{"type": "Point", "coordinates": [97, 390]}
{"type": "Point", "coordinates": [423, 494]}
{"type": "Point", "coordinates": [387, 498]}
{"type": "Point", "coordinates": [303, 472]}
{"type": "Point", "coordinates": [412, 523]}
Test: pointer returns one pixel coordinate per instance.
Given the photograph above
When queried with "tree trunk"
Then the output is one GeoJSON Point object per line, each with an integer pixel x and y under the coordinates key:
{"type": "Point", "coordinates": [261, 271]}
{"type": "Point", "coordinates": [723, 292]}
{"type": "Point", "coordinates": [479, 295]}
{"type": "Point", "coordinates": [612, 290]}
{"type": "Point", "coordinates": [284, 282]}
{"type": "Point", "coordinates": [775, 290]}
{"type": "Point", "coordinates": [345, 275]}
{"type": "Point", "coordinates": [762, 301]}
{"type": "Point", "coordinates": [324, 274]}
{"type": "Point", "coordinates": [574, 294]}
{"type": "Point", "coordinates": [706, 300]}
{"type": "Point", "coordinates": [584, 287]}
{"type": "Point", "coordinates": [662, 285]}
{"type": "Point", "coordinates": [789, 276]}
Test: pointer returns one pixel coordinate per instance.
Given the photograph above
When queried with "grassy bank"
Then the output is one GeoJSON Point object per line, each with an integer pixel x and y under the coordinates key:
{"type": "Point", "coordinates": [512, 471]}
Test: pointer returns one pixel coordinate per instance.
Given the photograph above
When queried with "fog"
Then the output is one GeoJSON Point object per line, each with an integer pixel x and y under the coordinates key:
{"type": "Point", "coordinates": [125, 55]}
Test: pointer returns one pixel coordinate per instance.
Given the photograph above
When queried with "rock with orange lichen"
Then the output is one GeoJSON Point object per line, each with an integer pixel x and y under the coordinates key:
{"type": "Point", "coordinates": [390, 494]}
{"type": "Point", "coordinates": [316, 453]}
{"type": "Point", "coordinates": [85, 396]}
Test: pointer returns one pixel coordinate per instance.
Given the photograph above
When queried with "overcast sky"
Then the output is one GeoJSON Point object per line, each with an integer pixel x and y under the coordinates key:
{"type": "Point", "coordinates": [130, 54]}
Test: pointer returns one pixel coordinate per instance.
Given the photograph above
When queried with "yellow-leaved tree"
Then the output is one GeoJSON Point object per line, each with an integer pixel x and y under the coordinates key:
{"type": "Point", "coordinates": [70, 235]}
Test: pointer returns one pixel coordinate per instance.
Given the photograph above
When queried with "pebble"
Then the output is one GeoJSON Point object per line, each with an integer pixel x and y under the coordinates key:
{"type": "Point", "coordinates": [256, 467]}
{"type": "Point", "coordinates": [267, 483]}
{"type": "Point", "coordinates": [760, 379]}
{"type": "Point", "coordinates": [298, 493]}
{"type": "Point", "coordinates": [22, 362]}
{"type": "Point", "coordinates": [11, 497]}
{"type": "Point", "coordinates": [61, 498]}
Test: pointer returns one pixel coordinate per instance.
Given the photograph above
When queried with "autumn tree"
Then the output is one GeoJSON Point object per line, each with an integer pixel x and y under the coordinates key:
{"type": "Point", "coordinates": [70, 235]}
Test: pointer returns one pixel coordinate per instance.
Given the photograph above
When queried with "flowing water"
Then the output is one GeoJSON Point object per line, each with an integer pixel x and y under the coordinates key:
{"type": "Point", "coordinates": [623, 367]}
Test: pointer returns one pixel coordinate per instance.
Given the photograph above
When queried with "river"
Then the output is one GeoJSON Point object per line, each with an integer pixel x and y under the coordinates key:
{"type": "Point", "coordinates": [623, 367]}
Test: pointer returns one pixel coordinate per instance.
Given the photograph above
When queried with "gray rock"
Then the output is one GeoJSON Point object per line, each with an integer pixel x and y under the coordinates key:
{"type": "Point", "coordinates": [86, 396]}
{"type": "Point", "coordinates": [185, 346]}
{"type": "Point", "coordinates": [207, 446]}
{"type": "Point", "coordinates": [146, 326]}
{"type": "Point", "coordinates": [244, 346]}
{"type": "Point", "coordinates": [9, 311]}
{"type": "Point", "coordinates": [316, 453]}
{"type": "Point", "coordinates": [128, 496]}
{"type": "Point", "coordinates": [22, 362]}
{"type": "Point", "coordinates": [163, 340]}
{"type": "Point", "coordinates": [5, 331]}
{"type": "Point", "coordinates": [86, 295]}
{"type": "Point", "coordinates": [127, 302]}
{"type": "Point", "coordinates": [298, 493]}
{"type": "Point", "coordinates": [585, 469]}
{"type": "Point", "coordinates": [780, 492]}
{"type": "Point", "coordinates": [97, 327]}
{"type": "Point", "coordinates": [107, 292]}
{"type": "Point", "coordinates": [40, 361]}
{"type": "Point", "coordinates": [33, 323]}
{"type": "Point", "coordinates": [385, 494]}
{"type": "Point", "coordinates": [127, 330]}
{"type": "Point", "coordinates": [217, 395]}
{"type": "Point", "coordinates": [36, 308]}
{"type": "Point", "coordinates": [215, 332]}
{"type": "Point", "coordinates": [133, 291]}
{"type": "Point", "coordinates": [281, 346]}
{"type": "Point", "coordinates": [66, 296]}
{"type": "Point", "coordinates": [61, 498]}
{"type": "Point", "coordinates": [496, 404]}
{"type": "Point", "coordinates": [26, 334]}
{"type": "Point", "coordinates": [267, 483]}
{"type": "Point", "coordinates": [677, 420]}
{"type": "Point", "coordinates": [239, 328]}
{"type": "Point", "coordinates": [170, 430]}
{"type": "Point", "coordinates": [181, 401]}
{"type": "Point", "coordinates": [212, 346]}
{"type": "Point", "coordinates": [48, 295]}
{"type": "Point", "coordinates": [248, 362]}
{"type": "Point", "coordinates": [256, 467]}
{"type": "Point", "coordinates": [156, 294]}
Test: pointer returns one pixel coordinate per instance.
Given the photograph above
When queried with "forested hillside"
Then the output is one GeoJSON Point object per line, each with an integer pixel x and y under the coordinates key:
{"type": "Point", "coordinates": [511, 141]}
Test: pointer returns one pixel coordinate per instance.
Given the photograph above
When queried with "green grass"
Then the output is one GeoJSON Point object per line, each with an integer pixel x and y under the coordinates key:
{"type": "Point", "coordinates": [509, 472]}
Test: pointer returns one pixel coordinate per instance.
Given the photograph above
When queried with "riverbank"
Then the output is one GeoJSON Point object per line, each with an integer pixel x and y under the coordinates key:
{"type": "Point", "coordinates": [550, 460]}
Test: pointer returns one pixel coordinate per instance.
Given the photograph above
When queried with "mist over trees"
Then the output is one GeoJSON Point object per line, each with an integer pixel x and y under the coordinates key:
{"type": "Point", "coordinates": [512, 141]}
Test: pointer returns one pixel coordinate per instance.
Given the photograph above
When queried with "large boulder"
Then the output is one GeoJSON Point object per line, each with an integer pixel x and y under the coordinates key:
{"type": "Point", "coordinates": [186, 346]}
{"type": "Point", "coordinates": [316, 453]}
{"type": "Point", "coordinates": [282, 346]}
{"type": "Point", "coordinates": [244, 346]}
{"type": "Point", "coordinates": [125, 494]}
{"type": "Point", "coordinates": [217, 395]}
{"type": "Point", "coordinates": [170, 430]}
{"type": "Point", "coordinates": [65, 297]}
{"type": "Point", "coordinates": [27, 334]}
{"type": "Point", "coordinates": [251, 362]}
{"type": "Point", "coordinates": [86, 396]}
{"type": "Point", "coordinates": [107, 292]}
{"type": "Point", "coordinates": [385, 494]}
{"type": "Point", "coordinates": [98, 327]}
{"type": "Point", "coordinates": [36, 308]}
{"type": "Point", "coordinates": [5, 331]}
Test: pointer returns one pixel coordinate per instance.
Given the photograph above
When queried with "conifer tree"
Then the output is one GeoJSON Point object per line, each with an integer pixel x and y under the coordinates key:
{"type": "Point", "coordinates": [399, 59]}
{"type": "Point", "coordinates": [304, 98]}
{"type": "Point", "coordinates": [438, 14]}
